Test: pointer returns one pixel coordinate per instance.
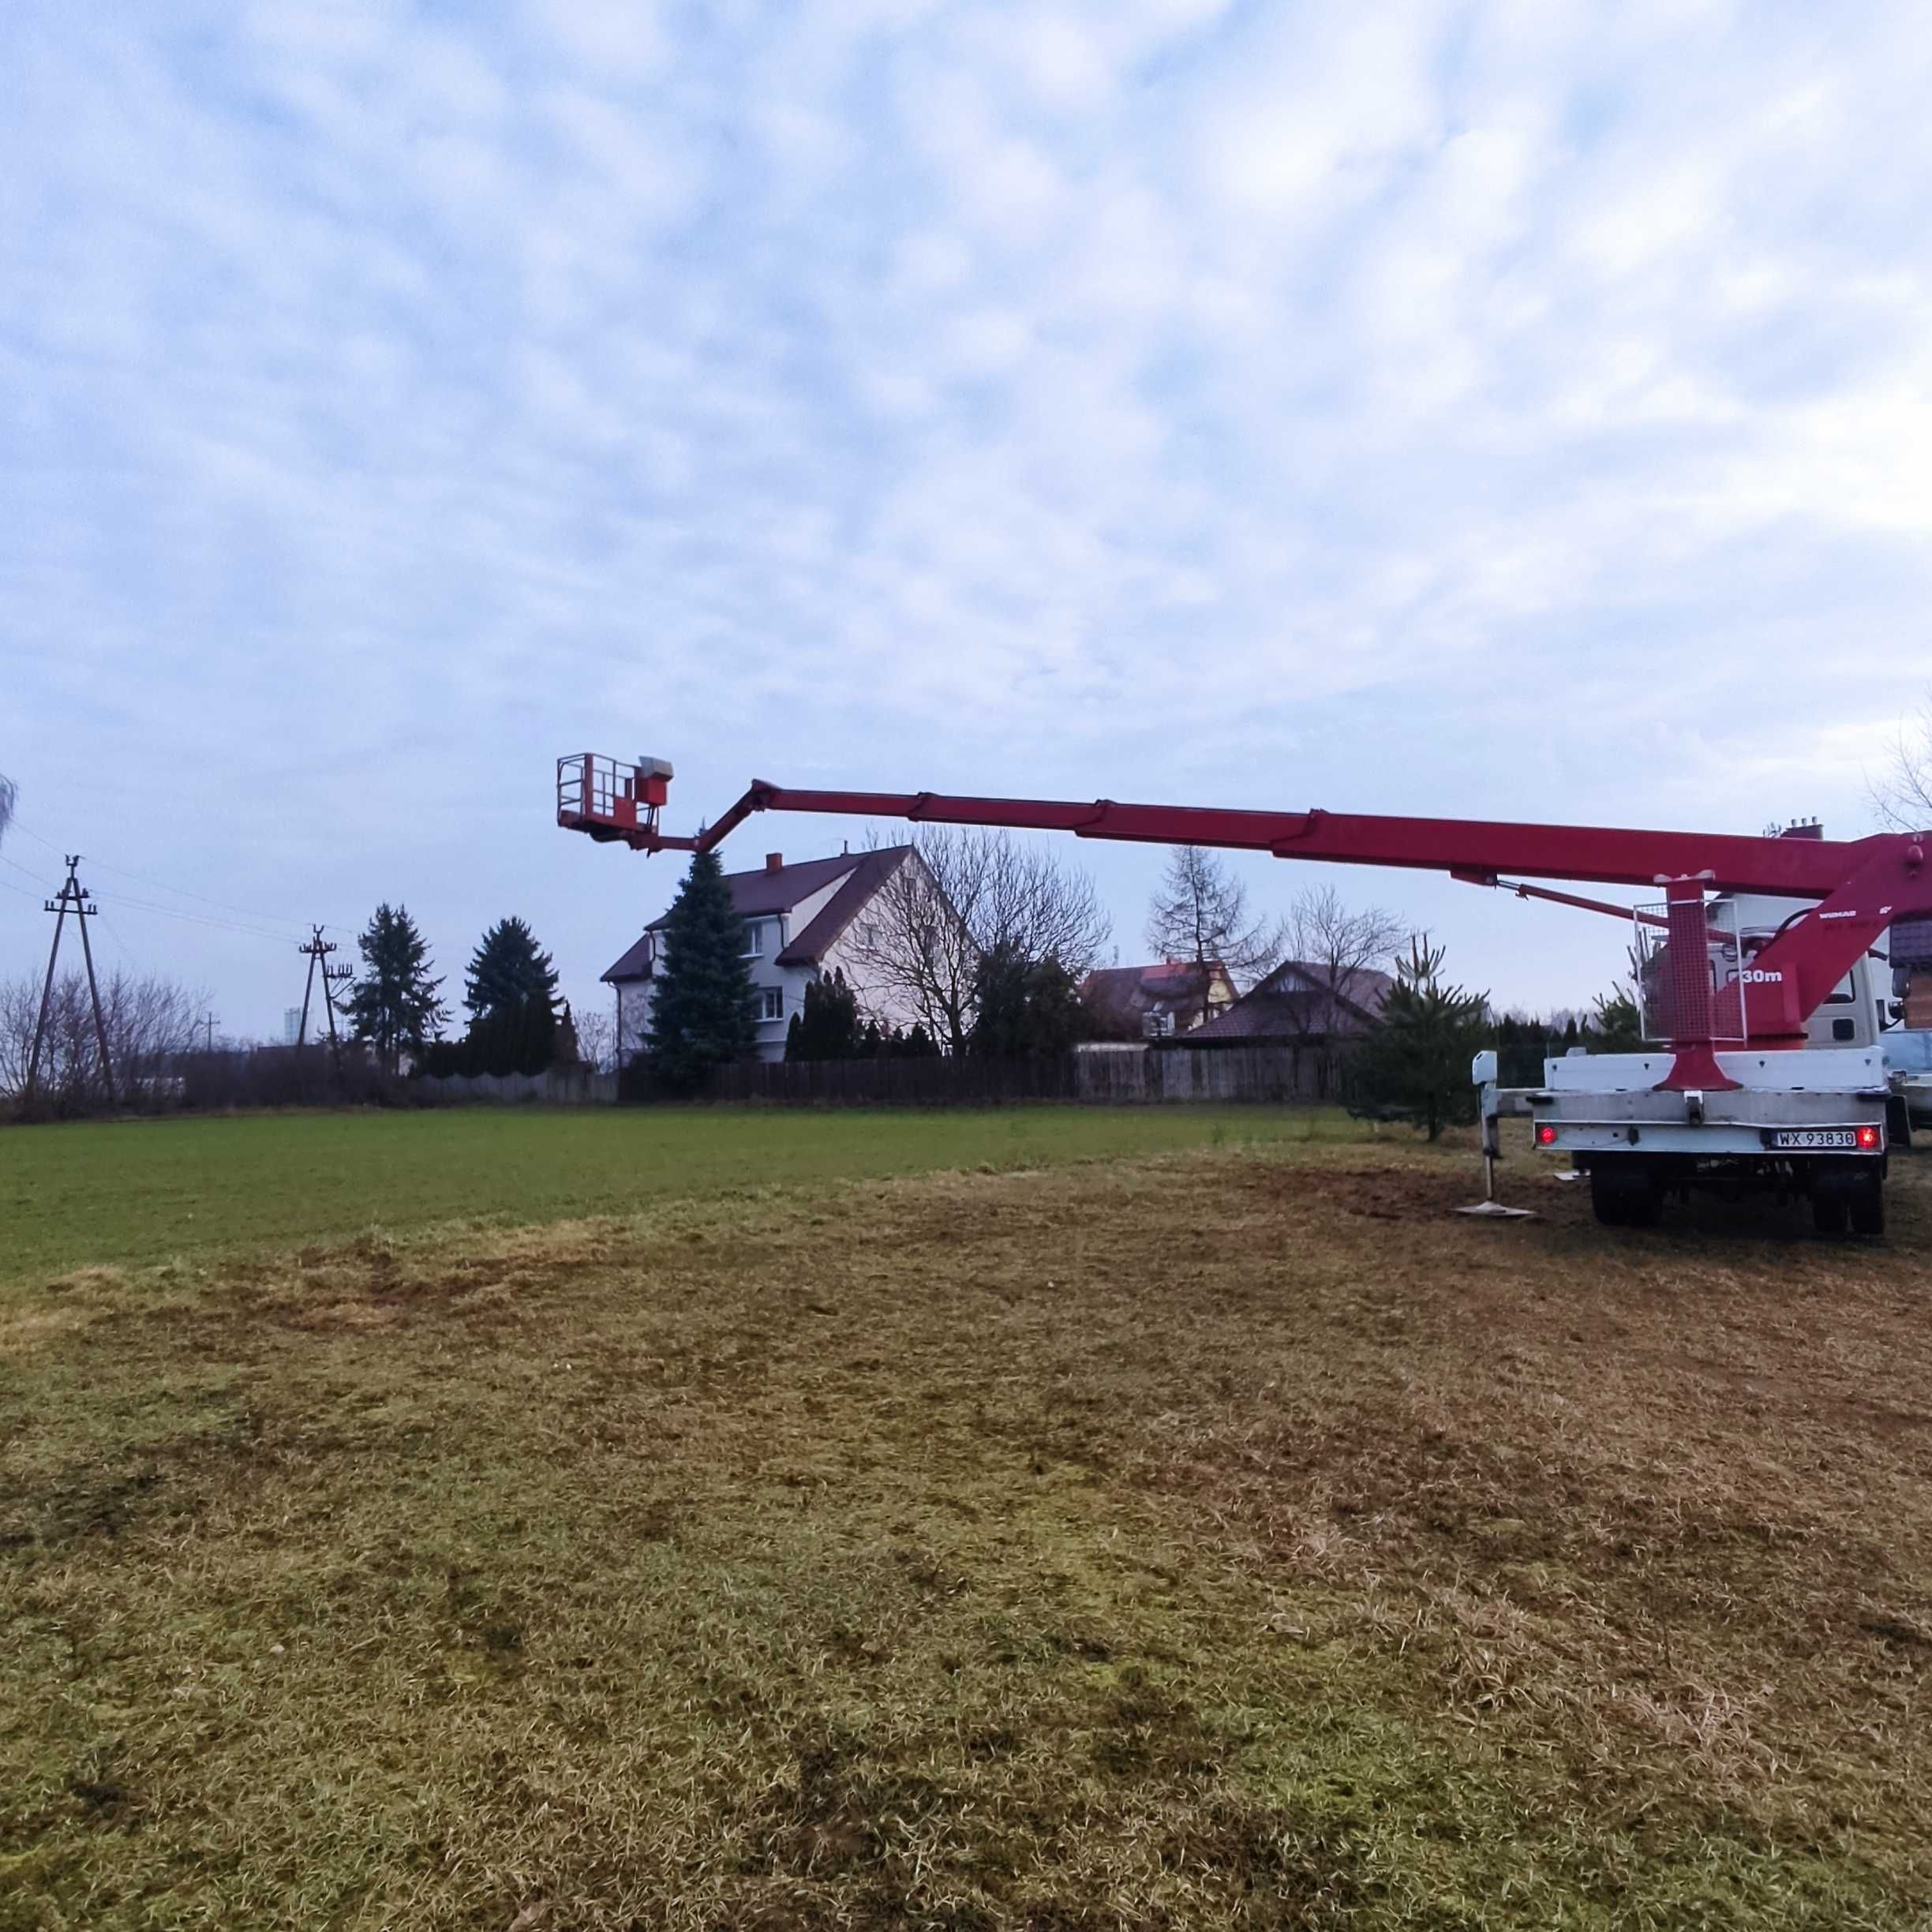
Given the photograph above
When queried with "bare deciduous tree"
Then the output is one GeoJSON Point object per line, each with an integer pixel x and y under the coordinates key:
{"type": "Point", "coordinates": [1200, 913]}
{"type": "Point", "coordinates": [1335, 942]}
{"type": "Point", "coordinates": [150, 1024]}
{"type": "Point", "coordinates": [1323, 931]}
{"type": "Point", "coordinates": [1904, 796]}
{"type": "Point", "coordinates": [8, 794]}
{"type": "Point", "coordinates": [1028, 903]}
{"type": "Point", "coordinates": [597, 1038]}
{"type": "Point", "coordinates": [968, 890]}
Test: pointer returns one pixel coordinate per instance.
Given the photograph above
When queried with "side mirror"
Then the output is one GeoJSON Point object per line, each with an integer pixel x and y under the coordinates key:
{"type": "Point", "coordinates": [1483, 1067]}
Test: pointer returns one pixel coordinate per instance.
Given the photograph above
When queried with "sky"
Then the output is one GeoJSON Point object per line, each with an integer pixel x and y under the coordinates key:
{"type": "Point", "coordinates": [1507, 410]}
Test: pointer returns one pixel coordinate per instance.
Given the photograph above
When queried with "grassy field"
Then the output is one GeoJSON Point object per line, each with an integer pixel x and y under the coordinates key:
{"type": "Point", "coordinates": [1222, 1535]}
{"type": "Point", "coordinates": [150, 1191]}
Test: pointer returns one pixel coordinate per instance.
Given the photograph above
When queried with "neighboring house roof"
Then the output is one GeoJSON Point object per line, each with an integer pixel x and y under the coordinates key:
{"type": "Point", "coordinates": [1296, 1003]}
{"type": "Point", "coordinates": [874, 868]}
{"type": "Point", "coordinates": [778, 889]}
{"type": "Point", "coordinates": [1123, 997]}
{"type": "Point", "coordinates": [634, 962]}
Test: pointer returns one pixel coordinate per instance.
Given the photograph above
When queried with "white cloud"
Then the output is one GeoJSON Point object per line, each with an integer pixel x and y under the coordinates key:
{"type": "Point", "coordinates": [622, 40]}
{"type": "Point", "coordinates": [1250, 404]}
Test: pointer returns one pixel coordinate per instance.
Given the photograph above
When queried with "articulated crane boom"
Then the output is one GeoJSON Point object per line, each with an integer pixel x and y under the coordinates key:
{"type": "Point", "coordinates": [1848, 891]}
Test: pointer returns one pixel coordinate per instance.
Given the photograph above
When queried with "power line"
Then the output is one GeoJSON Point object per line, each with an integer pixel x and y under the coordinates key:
{"type": "Point", "coordinates": [25, 873]}
{"type": "Point", "coordinates": [202, 919]}
{"type": "Point", "coordinates": [159, 911]}
{"type": "Point", "coordinates": [20, 825]}
{"type": "Point", "coordinates": [180, 891]}
{"type": "Point", "coordinates": [109, 929]}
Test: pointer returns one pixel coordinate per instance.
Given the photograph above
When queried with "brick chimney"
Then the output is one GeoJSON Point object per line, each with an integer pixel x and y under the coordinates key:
{"type": "Point", "coordinates": [774, 861]}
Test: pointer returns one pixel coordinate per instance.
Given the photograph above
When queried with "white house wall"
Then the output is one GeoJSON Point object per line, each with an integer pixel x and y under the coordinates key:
{"type": "Point", "coordinates": [888, 1007]}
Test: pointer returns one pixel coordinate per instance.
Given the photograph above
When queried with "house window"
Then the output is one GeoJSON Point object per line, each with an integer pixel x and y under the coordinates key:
{"type": "Point", "coordinates": [772, 1002]}
{"type": "Point", "coordinates": [754, 938]}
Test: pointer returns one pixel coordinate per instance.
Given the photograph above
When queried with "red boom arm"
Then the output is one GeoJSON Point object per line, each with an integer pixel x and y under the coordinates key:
{"type": "Point", "coordinates": [1862, 884]}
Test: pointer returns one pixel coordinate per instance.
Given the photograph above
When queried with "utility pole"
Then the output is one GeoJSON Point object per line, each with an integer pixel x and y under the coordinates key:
{"type": "Point", "coordinates": [318, 950]}
{"type": "Point", "coordinates": [333, 976]}
{"type": "Point", "coordinates": [207, 1019]}
{"type": "Point", "coordinates": [73, 899]}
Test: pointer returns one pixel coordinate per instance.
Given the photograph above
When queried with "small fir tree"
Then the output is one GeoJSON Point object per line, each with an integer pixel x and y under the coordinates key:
{"type": "Point", "coordinates": [1416, 1058]}
{"type": "Point", "coordinates": [702, 1013]}
{"type": "Point", "coordinates": [519, 1037]}
{"type": "Point", "coordinates": [828, 1027]}
{"type": "Point", "coordinates": [394, 1003]}
{"type": "Point", "coordinates": [508, 967]}
{"type": "Point", "coordinates": [1616, 1026]}
{"type": "Point", "coordinates": [1002, 1024]}
{"type": "Point", "coordinates": [568, 1052]}
{"type": "Point", "coordinates": [1025, 1007]}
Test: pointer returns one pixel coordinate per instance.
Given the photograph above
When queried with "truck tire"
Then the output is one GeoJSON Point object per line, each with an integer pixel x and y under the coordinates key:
{"type": "Point", "coordinates": [1828, 1205]}
{"type": "Point", "coordinates": [1623, 1193]}
{"type": "Point", "coordinates": [1645, 1207]}
{"type": "Point", "coordinates": [1898, 1124]}
{"type": "Point", "coordinates": [1607, 1193]}
{"type": "Point", "coordinates": [1866, 1203]}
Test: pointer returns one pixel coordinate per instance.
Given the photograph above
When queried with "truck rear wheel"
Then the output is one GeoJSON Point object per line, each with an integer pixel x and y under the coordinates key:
{"type": "Point", "coordinates": [1623, 1193]}
{"type": "Point", "coordinates": [1866, 1203]}
{"type": "Point", "coordinates": [1606, 1196]}
{"type": "Point", "coordinates": [1829, 1207]}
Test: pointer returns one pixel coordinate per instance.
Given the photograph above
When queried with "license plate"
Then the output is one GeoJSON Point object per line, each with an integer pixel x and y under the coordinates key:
{"type": "Point", "coordinates": [1819, 1137]}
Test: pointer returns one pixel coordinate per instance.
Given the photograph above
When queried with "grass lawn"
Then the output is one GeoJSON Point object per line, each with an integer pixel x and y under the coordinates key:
{"type": "Point", "coordinates": [1227, 1535]}
{"type": "Point", "coordinates": [142, 1191]}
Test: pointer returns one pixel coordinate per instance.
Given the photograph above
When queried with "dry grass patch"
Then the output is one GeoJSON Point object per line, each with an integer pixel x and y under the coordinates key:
{"type": "Point", "coordinates": [1217, 1539]}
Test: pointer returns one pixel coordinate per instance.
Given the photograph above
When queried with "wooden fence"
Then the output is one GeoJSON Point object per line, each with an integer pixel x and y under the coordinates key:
{"type": "Point", "coordinates": [554, 1087]}
{"type": "Point", "coordinates": [1125, 1076]}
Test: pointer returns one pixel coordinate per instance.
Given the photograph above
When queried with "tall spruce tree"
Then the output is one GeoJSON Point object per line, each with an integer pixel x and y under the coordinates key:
{"type": "Point", "coordinates": [395, 1002]}
{"type": "Point", "coordinates": [1416, 1058]}
{"type": "Point", "coordinates": [701, 1014]}
{"type": "Point", "coordinates": [508, 967]}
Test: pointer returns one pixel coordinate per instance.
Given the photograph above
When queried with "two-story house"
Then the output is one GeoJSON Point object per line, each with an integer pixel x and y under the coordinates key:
{"type": "Point", "coordinates": [798, 925]}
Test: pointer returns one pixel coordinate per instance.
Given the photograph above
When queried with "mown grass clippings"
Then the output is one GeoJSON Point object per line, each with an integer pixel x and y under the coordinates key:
{"type": "Point", "coordinates": [1211, 1540]}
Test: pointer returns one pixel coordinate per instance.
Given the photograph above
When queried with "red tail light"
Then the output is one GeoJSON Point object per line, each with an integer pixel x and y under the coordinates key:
{"type": "Point", "coordinates": [1546, 1134]}
{"type": "Point", "coordinates": [1868, 1139]}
